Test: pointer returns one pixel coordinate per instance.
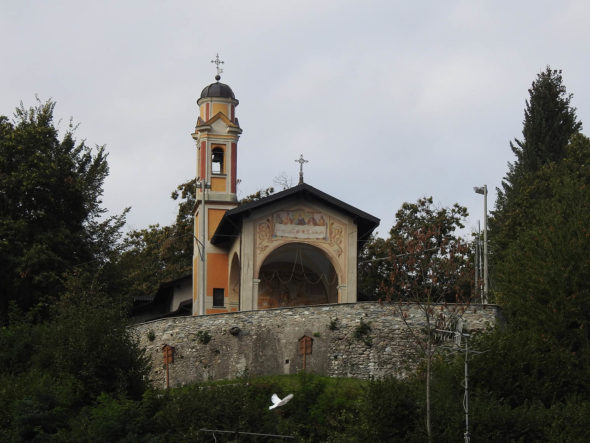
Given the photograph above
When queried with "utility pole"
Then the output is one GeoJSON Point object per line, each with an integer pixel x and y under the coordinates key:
{"type": "Point", "coordinates": [484, 191]}
{"type": "Point", "coordinates": [458, 337]}
{"type": "Point", "coordinates": [476, 281]}
{"type": "Point", "coordinates": [203, 186]}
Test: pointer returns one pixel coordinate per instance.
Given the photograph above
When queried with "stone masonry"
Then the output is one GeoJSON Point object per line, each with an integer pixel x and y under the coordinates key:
{"type": "Point", "coordinates": [364, 340]}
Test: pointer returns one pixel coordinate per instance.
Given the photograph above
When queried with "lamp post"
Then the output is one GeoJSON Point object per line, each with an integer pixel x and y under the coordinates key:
{"type": "Point", "coordinates": [203, 186]}
{"type": "Point", "coordinates": [484, 191]}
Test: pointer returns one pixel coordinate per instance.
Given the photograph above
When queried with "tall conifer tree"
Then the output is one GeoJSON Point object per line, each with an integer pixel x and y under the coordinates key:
{"type": "Point", "coordinates": [549, 124]}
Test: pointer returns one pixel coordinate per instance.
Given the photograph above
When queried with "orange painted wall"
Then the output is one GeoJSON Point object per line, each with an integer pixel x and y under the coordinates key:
{"type": "Point", "coordinates": [218, 184]}
{"type": "Point", "coordinates": [216, 311]}
{"type": "Point", "coordinates": [220, 107]}
{"type": "Point", "coordinates": [217, 275]}
{"type": "Point", "coordinates": [215, 216]}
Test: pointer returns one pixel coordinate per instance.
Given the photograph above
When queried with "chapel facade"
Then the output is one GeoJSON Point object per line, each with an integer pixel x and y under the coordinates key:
{"type": "Point", "coordinates": [293, 248]}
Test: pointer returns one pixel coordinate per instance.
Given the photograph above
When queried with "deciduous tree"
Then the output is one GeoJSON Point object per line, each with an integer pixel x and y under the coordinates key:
{"type": "Point", "coordinates": [429, 265]}
{"type": "Point", "coordinates": [160, 253]}
{"type": "Point", "coordinates": [50, 207]}
{"type": "Point", "coordinates": [374, 268]}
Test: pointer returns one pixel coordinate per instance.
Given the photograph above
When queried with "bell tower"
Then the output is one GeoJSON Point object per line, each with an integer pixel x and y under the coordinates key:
{"type": "Point", "coordinates": [216, 135]}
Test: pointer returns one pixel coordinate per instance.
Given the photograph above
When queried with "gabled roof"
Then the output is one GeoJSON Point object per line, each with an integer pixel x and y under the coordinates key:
{"type": "Point", "coordinates": [231, 223]}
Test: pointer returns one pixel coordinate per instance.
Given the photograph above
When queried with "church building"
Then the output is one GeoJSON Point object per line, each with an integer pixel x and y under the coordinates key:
{"type": "Point", "coordinates": [293, 248]}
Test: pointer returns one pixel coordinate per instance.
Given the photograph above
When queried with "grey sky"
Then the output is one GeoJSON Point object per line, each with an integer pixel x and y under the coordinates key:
{"type": "Point", "coordinates": [389, 100]}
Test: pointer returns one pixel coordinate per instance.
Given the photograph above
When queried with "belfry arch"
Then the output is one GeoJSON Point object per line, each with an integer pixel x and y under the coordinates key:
{"type": "Point", "coordinates": [297, 274]}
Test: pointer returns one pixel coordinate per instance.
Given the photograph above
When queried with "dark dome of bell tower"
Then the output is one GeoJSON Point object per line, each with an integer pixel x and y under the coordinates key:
{"type": "Point", "coordinates": [217, 90]}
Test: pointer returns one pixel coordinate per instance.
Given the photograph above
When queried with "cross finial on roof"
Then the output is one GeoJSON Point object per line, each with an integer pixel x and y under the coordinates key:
{"type": "Point", "coordinates": [301, 160]}
{"type": "Point", "coordinates": [218, 62]}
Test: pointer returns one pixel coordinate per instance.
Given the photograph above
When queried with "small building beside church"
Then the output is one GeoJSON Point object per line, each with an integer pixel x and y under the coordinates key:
{"type": "Point", "coordinates": [293, 248]}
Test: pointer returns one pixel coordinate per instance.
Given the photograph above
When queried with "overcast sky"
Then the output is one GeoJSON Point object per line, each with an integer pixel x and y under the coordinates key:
{"type": "Point", "coordinates": [388, 100]}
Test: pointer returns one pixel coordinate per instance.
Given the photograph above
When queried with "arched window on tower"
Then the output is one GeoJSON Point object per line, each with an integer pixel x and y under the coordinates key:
{"type": "Point", "coordinates": [217, 161]}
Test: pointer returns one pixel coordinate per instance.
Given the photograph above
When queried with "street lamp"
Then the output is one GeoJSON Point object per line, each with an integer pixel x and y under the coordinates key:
{"type": "Point", "coordinates": [484, 191]}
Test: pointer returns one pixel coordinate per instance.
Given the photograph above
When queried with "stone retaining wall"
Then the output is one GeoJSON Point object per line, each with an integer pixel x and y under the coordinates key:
{"type": "Point", "coordinates": [361, 340]}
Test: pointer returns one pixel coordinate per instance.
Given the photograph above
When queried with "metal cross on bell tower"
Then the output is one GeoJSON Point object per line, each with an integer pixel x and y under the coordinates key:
{"type": "Point", "coordinates": [218, 62]}
{"type": "Point", "coordinates": [301, 160]}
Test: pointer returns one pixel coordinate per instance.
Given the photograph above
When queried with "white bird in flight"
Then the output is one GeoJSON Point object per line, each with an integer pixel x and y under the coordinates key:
{"type": "Point", "coordinates": [276, 401]}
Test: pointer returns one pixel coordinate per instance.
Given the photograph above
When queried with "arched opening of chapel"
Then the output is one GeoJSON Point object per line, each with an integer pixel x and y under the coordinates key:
{"type": "Point", "coordinates": [297, 274]}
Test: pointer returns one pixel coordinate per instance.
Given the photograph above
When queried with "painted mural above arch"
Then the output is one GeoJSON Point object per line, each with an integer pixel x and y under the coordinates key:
{"type": "Point", "coordinates": [306, 225]}
{"type": "Point", "coordinates": [300, 224]}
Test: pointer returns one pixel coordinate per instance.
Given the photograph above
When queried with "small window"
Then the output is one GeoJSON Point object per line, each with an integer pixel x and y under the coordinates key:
{"type": "Point", "coordinates": [218, 297]}
{"type": "Point", "coordinates": [217, 161]}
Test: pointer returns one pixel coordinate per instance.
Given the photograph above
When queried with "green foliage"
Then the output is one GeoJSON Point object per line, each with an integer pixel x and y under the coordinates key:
{"type": "Point", "coordinates": [50, 208]}
{"type": "Point", "coordinates": [569, 421]}
{"type": "Point", "coordinates": [143, 263]}
{"type": "Point", "coordinates": [522, 388]}
{"type": "Point", "coordinates": [35, 405]}
{"type": "Point", "coordinates": [203, 337]}
{"type": "Point", "coordinates": [374, 268]}
{"type": "Point", "coordinates": [322, 409]}
{"type": "Point", "coordinates": [53, 368]}
{"type": "Point", "coordinates": [423, 258]}
{"type": "Point", "coordinates": [525, 364]}
{"type": "Point", "coordinates": [390, 412]}
{"type": "Point", "coordinates": [428, 261]}
{"type": "Point", "coordinates": [333, 325]}
{"type": "Point", "coordinates": [258, 195]}
{"type": "Point", "coordinates": [535, 371]}
{"type": "Point", "coordinates": [117, 419]}
{"type": "Point", "coordinates": [159, 254]}
{"type": "Point", "coordinates": [550, 293]}
{"type": "Point", "coordinates": [362, 331]}
{"type": "Point", "coordinates": [550, 123]}
{"type": "Point", "coordinates": [423, 261]}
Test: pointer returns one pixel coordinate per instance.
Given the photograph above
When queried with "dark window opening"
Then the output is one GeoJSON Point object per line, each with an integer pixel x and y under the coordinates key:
{"type": "Point", "coordinates": [217, 161]}
{"type": "Point", "coordinates": [218, 298]}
